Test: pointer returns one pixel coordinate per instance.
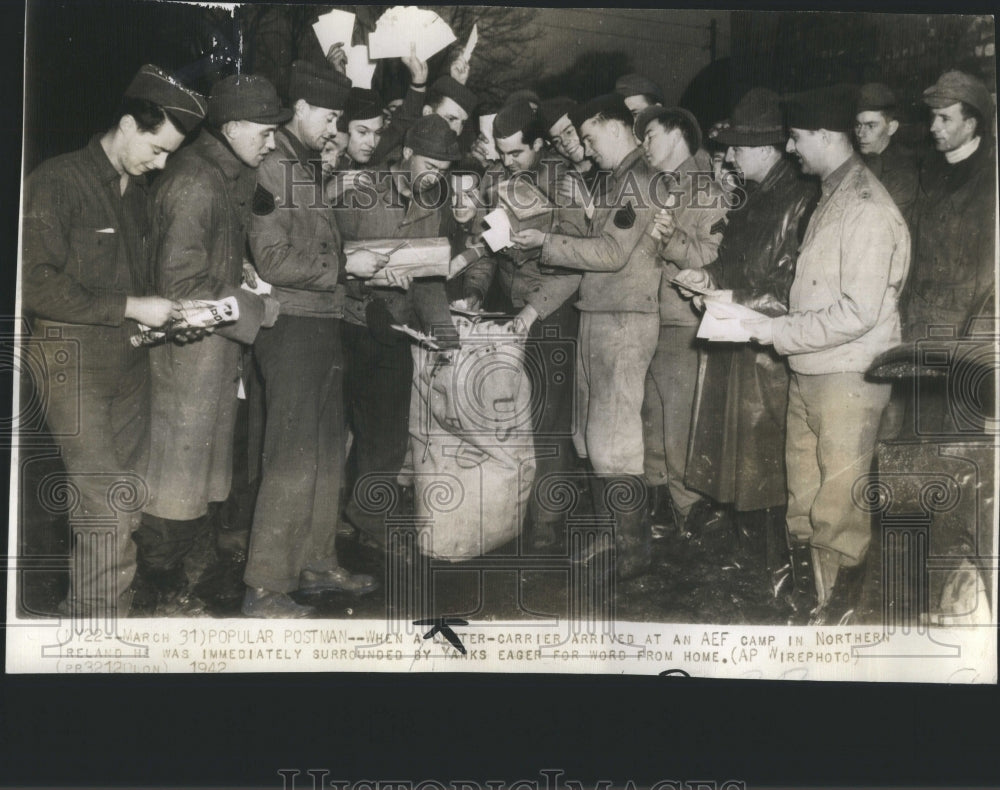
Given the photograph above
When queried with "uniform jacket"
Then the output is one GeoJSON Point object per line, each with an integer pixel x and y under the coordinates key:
{"type": "Point", "coordinates": [293, 236]}
{"type": "Point", "coordinates": [518, 270]}
{"type": "Point", "coordinates": [383, 212]}
{"type": "Point", "coordinates": [851, 267]}
{"type": "Point", "coordinates": [699, 207]}
{"type": "Point", "coordinates": [616, 254]}
{"type": "Point", "coordinates": [954, 242]}
{"type": "Point", "coordinates": [84, 250]}
{"type": "Point", "coordinates": [896, 168]}
{"type": "Point", "coordinates": [200, 215]}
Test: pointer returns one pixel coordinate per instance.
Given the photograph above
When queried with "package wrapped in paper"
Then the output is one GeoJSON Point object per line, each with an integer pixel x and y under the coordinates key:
{"type": "Point", "coordinates": [195, 314]}
{"type": "Point", "coordinates": [524, 201]}
{"type": "Point", "coordinates": [471, 442]}
{"type": "Point", "coordinates": [429, 257]}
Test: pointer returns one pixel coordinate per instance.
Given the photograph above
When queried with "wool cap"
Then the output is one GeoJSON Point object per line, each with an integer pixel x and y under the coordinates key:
{"type": "Point", "coordinates": [184, 105]}
{"type": "Point", "coordinates": [431, 136]}
{"type": "Point", "coordinates": [635, 84]}
{"type": "Point", "coordinates": [756, 121]}
{"type": "Point", "coordinates": [245, 97]}
{"type": "Point", "coordinates": [361, 105]}
{"type": "Point", "coordinates": [657, 112]}
{"type": "Point", "coordinates": [551, 110]}
{"type": "Point", "coordinates": [580, 113]}
{"type": "Point", "coordinates": [319, 86]}
{"type": "Point", "coordinates": [832, 108]}
{"type": "Point", "coordinates": [513, 118]}
{"type": "Point", "coordinates": [875, 96]}
{"type": "Point", "coordinates": [456, 91]}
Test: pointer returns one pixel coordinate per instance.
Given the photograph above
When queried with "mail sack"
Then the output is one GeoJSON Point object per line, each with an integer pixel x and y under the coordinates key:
{"type": "Point", "coordinates": [471, 442]}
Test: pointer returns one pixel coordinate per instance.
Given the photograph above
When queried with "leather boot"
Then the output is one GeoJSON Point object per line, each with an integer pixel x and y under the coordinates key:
{"type": "Point", "coordinates": [586, 550]}
{"type": "Point", "coordinates": [803, 594]}
{"type": "Point", "coordinates": [843, 596]}
{"type": "Point", "coordinates": [751, 544]}
{"type": "Point", "coordinates": [633, 543]}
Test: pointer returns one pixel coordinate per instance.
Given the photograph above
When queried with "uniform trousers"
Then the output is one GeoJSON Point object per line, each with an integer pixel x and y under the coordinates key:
{"type": "Point", "coordinates": [298, 503]}
{"type": "Point", "coordinates": [832, 425]}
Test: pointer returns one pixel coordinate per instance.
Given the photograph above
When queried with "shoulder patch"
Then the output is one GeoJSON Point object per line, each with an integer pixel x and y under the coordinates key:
{"type": "Point", "coordinates": [263, 201]}
{"type": "Point", "coordinates": [625, 217]}
{"type": "Point", "coordinates": [718, 227]}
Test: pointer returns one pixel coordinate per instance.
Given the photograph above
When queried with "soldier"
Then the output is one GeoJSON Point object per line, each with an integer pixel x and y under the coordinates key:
{"type": "Point", "coordinates": [842, 314]}
{"type": "Point", "coordinates": [874, 127]}
{"type": "Point", "coordinates": [688, 232]}
{"type": "Point", "coordinates": [86, 279]}
{"type": "Point", "coordinates": [737, 451]}
{"type": "Point", "coordinates": [619, 322]}
{"type": "Point", "coordinates": [545, 309]}
{"type": "Point", "coordinates": [297, 249]}
{"type": "Point", "coordinates": [554, 114]}
{"type": "Point", "coordinates": [404, 204]}
{"type": "Point", "coordinates": [200, 217]}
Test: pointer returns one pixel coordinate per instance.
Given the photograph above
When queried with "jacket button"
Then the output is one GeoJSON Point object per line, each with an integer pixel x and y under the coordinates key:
{"type": "Point", "coordinates": [814, 282]}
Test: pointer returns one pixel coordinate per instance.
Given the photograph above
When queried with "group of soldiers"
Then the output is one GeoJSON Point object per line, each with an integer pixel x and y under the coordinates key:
{"type": "Point", "coordinates": [802, 208]}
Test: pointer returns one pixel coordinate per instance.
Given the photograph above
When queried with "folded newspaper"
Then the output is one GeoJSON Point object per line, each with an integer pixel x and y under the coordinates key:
{"type": "Point", "coordinates": [195, 314]}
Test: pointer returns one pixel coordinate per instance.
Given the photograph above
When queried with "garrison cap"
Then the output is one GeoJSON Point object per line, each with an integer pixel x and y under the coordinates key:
{"type": "Point", "coordinates": [635, 84]}
{"type": "Point", "coordinates": [756, 121]}
{"type": "Point", "coordinates": [551, 110]}
{"type": "Point", "coordinates": [245, 97]}
{"type": "Point", "coordinates": [580, 113]}
{"type": "Point", "coordinates": [656, 112]}
{"type": "Point", "coordinates": [184, 106]}
{"type": "Point", "coordinates": [832, 108]}
{"type": "Point", "coordinates": [513, 118]}
{"type": "Point", "coordinates": [431, 136]}
{"type": "Point", "coordinates": [456, 91]}
{"type": "Point", "coordinates": [874, 96]}
{"type": "Point", "coordinates": [955, 86]}
{"type": "Point", "coordinates": [320, 86]}
{"type": "Point", "coordinates": [361, 105]}
{"type": "Point", "coordinates": [523, 94]}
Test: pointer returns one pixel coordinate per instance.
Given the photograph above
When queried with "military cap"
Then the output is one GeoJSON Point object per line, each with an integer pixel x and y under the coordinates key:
{"type": "Point", "coordinates": [551, 110]}
{"type": "Point", "coordinates": [657, 112]}
{"type": "Point", "coordinates": [431, 136]}
{"type": "Point", "coordinates": [320, 86]}
{"type": "Point", "coordinates": [635, 84]}
{"type": "Point", "coordinates": [874, 96]}
{"type": "Point", "coordinates": [831, 108]}
{"type": "Point", "coordinates": [523, 94]}
{"type": "Point", "coordinates": [456, 91]}
{"type": "Point", "coordinates": [513, 118]}
{"type": "Point", "coordinates": [955, 86]}
{"type": "Point", "coordinates": [182, 104]}
{"type": "Point", "coordinates": [580, 113]}
{"type": "Point", "coordinates": [756, 121]}
{"type": "Point", "coordinates": [361, 105]}
{"type": "Point", "coordinates": [245, 97]}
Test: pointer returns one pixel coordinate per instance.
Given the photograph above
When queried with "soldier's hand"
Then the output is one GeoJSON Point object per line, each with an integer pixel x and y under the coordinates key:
{"type": "Point", "coordinates": [365, 263]}
{"type": "Point", "coordinates": [663, 226]}
{"type": "Point", "coordinates": [337, 57]}
{"type": "Point", "coordinates": [272, 307]}
{"type": "Point", "coordinates": [521, 323]}
{"type": "Point", "coordinates": [696, 278]}
{"type": "Point", "coordinates": [398, 279]}
{"type": "Point", "coordinates": [249, 275]}
{"type": "Point", "coordinates": [417, 67]}
{"type": "Point", "coordinates": [761, 330]}
{"type": "Point", "coordinates": [528, 239]}
{"type": "Point", "coordinates": [482, 150]}
{"type": "Point", "coordinates": [152, 311]}
{"type": "Point", "coordinates": [459, 70]}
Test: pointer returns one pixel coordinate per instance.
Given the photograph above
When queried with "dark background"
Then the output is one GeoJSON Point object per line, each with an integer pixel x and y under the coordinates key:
{"type": "Point", "coordinates": [238, 731]}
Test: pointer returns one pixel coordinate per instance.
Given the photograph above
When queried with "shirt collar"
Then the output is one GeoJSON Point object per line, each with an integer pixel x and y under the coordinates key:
{"type": "Point", "coordinates": [105, 170]}
{"type": "Point", "coordinates": [836, 178]}
{"type": "Point", "coordinates": [303, 154]}
{"type": "Point", "coordinates": [215, 147]}
{"type": "Point", "coordinates": [963, 152]}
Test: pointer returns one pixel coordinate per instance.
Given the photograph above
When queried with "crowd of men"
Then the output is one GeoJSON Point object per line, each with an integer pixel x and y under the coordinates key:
{"type": "Point", "coordinates": [803, 208]}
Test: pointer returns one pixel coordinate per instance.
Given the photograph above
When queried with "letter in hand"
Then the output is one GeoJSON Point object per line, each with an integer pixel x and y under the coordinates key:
{"type": "Point", "coordinates": [528, 239]}
{"type": "Point", "coordinates": [365, 264]}
{"type": "Point", "coordinates": [337, 57]}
